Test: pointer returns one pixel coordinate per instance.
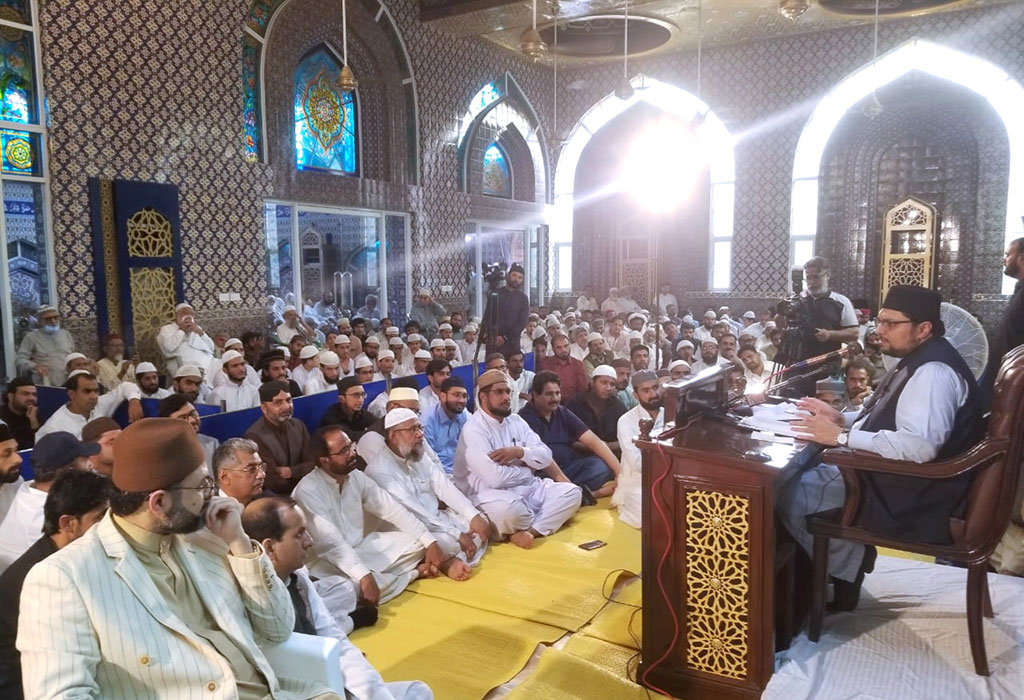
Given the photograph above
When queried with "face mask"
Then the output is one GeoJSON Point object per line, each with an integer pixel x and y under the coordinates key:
{"type": "Point", "coordinates": [51, 329]}
{"type": "Point", "coordinates": [118, 357]}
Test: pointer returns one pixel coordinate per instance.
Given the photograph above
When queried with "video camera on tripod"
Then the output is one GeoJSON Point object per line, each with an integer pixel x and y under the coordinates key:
{"type": "Point", "coordinates": [798, 322]}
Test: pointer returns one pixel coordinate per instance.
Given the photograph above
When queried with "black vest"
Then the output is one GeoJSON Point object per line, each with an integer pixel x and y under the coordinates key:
{"type": "Point", "coordinates": [910, 508]}
{"type": "Point", "coordinates": [823, 312]}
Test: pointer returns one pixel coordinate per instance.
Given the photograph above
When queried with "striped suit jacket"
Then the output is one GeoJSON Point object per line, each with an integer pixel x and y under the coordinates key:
{"type": "Point", "coordinates": [93, 624]}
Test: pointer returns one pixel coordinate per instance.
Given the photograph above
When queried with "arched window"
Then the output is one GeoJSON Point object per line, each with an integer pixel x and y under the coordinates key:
{"type": "Point", "coordinates": [326, 135]}
{"type": "Point", "coordinates": [497, 176]}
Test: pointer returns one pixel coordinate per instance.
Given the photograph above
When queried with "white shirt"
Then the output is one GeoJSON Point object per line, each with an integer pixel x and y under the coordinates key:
{"type": "Point", "coordinates": [209, 445]}
{"type": "Point", "coordinates": [301, 375]}
{"type": "Point", "coordinates": [523, 385]}
{"type": "Point", "coordinates": [218, 376]}
{"type": "Point", "coordinates": [107, 371]}
{"type": "Point", "coordinates": [663, 300]}
{"type": "Point", "coordinates": [700, 365]}
{"type": "Point", "coordinates": [700, 334]}
{"type": "Point", "coordinates": [619, 345]}
{"type": "Point", "coordinates": [628, 494]}
{"type": "Point", "coordinates": [467, 349]}
{"type": "Point", "coordinates": [237, 397]}
{"type": "Point", "coordinates": [7, 495]}
{"type": "Point", "coordinates": [64, 419]}
{"type": "Point", "coordinates": [584, 303]}
{"type": "Point", "coordinates": [419, 486]}
{"type": "Point", "coordinates": [378, 407]}
{"type": "Point", "coordinates": [579, 353]}
{"type": "Point", "coordinates": [316, 384]}
{"type": "Point", "coordinates": [180, 348]}
{"type": "Point", "coordinates": [23, 524]}
{"type": "Point", "coordinates": [285, 333]}
{"type": "Point", "coordinates": [337, 518]}
{"type": "Point", "coordinates": [756, 382]}
{"type": "Point", "coordinates": [160, 393]}
{"type": "Point", "coordinates": [428, 399]}
{"type": "Point", "coordinates": [475, 472]}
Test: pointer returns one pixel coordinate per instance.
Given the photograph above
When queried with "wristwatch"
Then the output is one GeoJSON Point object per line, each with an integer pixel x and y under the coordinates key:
{"type": "Point", "coordinates": [841, 438]}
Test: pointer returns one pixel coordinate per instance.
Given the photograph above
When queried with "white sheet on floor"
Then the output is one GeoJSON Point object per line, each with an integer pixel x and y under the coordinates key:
{"type": "Point", "coordinates": [907, 640]}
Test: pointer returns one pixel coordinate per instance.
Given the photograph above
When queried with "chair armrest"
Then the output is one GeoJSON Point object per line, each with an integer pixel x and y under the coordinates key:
{"type": "Point", "coordinates": [310, 658]}
{"type": "Point", "coordinates": [974, 458]}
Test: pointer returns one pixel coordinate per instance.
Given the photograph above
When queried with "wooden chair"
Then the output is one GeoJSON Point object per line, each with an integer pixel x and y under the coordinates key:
{"type": "Point", "coordinates": [995, 463]}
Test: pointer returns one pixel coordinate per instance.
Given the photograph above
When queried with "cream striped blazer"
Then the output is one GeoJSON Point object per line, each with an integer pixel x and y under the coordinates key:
{"type": "Point", "coordinates": [93, 625]}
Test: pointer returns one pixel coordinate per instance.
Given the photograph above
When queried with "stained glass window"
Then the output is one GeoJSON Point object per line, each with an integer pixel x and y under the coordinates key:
{"type": "Point", "coordinates": [17, 74]}
{"type": "Point", "coordinates": [251, 117]}
{"type": "Point", "coordinates": [497, 178]}
{"type": "Point", "coordinates": [18, 151]}
{"type": "Point", "coordinates": [325, 116]}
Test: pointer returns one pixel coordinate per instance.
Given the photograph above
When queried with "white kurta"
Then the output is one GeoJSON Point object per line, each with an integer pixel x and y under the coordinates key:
{"type": "Point", "coordinates": [629, 493]}
{"type": "Point", "coordinates": [579, 353]}
{"type": "Point", "coordinates": [316, 384]}
{"type": "Point", "coordinates": [361, 680]}
{"type": "Point", "coordinates": [523, 385]}
{"type": "Point", "coordinates": [160, 393]}
{"type": "Point", "coordinates": [301, 375]}
{"type": "Point", "coordinates": [24, 524]}
{"type": "Point", "coordinates": [63, 419]}
{"type": "Point", "coordinates": [7, 494]}
{"type": "Point", "coordinates": [511, 495]}
{"type": "Point", "coordinates": [181, 348]}
{"type": "Point", "coordinates": [48, 350]}
{"type": "Point", "coordinates": [420, 486]}
{"type": "Point", "coordinates": [218, 377]}
{"type": "Point", "coordinates": [428, 399]}
{"type": "Point", "coordinates": [107, 371]}
{"type": "Point", "coordinates": [337, 519]}
{"type": "Point", "coordinates": [237, 397]}
{"type": "Point", "coordinates": [619, 345]}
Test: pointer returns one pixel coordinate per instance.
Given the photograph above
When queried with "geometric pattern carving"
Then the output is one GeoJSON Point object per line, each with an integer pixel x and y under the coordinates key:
{"type": "Point", "coordinates": [636, 276]}
{"type": "Point", "coordinates": [149, 235]}
{"type": "Point", "coordinates": [908, 247]}
{"type": "Point", "coordinates": [153, 300]}
{"type": "Point", "coordinates": [717, 559]}
{"type": "Point", "coordinates": [906, 271]}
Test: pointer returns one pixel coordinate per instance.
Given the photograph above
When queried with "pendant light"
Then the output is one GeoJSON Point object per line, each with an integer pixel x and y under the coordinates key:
{"type": "Point", "coordinates": [793, 9]}
{"type": "Point", "coordinates": [625, 89]}
{"type": "Point", "coordinates": [530, 43]}
{"type": "Point", "coordinates": [346, 80]}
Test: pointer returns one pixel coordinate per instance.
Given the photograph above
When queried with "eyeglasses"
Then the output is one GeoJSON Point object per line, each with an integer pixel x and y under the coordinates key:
{"type": "Point", "coordinates": [251, 470]}
{"type": "Point", "coordinates": [343, 451]}
{"type": "Point", "coordinates": [356, 394]}
{"type": "Point", "coordinates": [885, 323]}
{"type": "Point", "coordinates": [415, 428]}
{"type": "Point", "coordinates": [207, 487]}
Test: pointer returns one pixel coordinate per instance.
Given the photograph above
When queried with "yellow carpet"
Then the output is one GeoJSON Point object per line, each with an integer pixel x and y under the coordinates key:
{"type": "Point", "coordinates": [561, 675]}
{"type": "Point", "coordinates": [613, 623]}
{"type": "Point", "coordinates": [424, 638]}
{"type": "Point", "coordinates": [555, 582]}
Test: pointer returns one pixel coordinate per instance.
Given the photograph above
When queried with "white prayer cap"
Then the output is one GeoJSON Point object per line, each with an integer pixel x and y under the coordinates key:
{"type": "Point", "coordinates": [285, 350]}
{"type": "Point", "coordinates": [372, 340]}
{"type": "Point", "coordinates": [770, 324]}
{"type": "Point", "coordinates": [74, 356]}
{"type": "Point", "coordinates": [422, 355]}
{"type": "Point", "coordinates": [584, 325]}
{"type": "Point", "coordinates": [363, 361]}
{"type": "Point", "coordinates": [533, 317]}
{"type": "Point", "coordinates": [688, 319]}
{"type": "Point", "coordinates": [391, 330]}
{"type": "Point", "coordinates": [594, 336]}
{"type": "Point", "coordinates": [709, 341]}
{"type": "Point", "coordinates": [396, 341]}
{"type": "Point", "coordinates": [414, 338]}
{"type": "Point", "coordinates": [329, 359]}
{"type": "Point", "coordinates": [289, 307]}
{"type": "Point", "coordinates": [436, 343]}
{"type": "Point", "coordinates": [144, 367]}
{"type": "Point", "coordinates": [45, 309]}
{"type": "Point", "coordinates": [385, 355]}
{"type": "Point", "coordinates": [344, 321]}
{"type": "Point", "coordinates": [397, 416]}
{"type": "Point", "coordinates": [403, 393]}
{"type": "Point", "coordinates": [449, 343]}
{"type": "Point", "coordinates": [637, 314]}
{"type": "Point", "coordinates": [476, 320]}
{"type": "Point", "coordinates": [749, 314]}
{"type": "Point", "coordinates": [470, 328]}
{"type": "Point", "coordinates": [551, 320]}
{"type": "Point", "coordinates": [183, 305]}
{"type": "Point", "coordinates": [556, 313]}
{"type": "Point", "coordinates": [424, 291]}
{"type": "Point", "coordinates": [684, 344]}
{"type": "Point", "coordinates": [723, 308]}
{"type": "Point", "coordinates": [445, 327]}
{"type": "Point", "coordinates": [78, 372]}
{"type": "Point", "coordinates": [569, 309]}
{"type": "Point", "coordinates": [539, 333]}
{"type": "Point", "coordinates": [634, 334]}
{"type": "Point", "coordinates": [308, 351]}
{"type": "Point", "coordinates": [188, 371]}
{"type": "Point", "coordinates": [232, 341]}
{"type": "Point", "coordinates": [678, 363]}
{"type": "Point", "coordinates": [604, 371]}
{"type": "Point", "coordinates": [662, 319]}
{"type": "Point", "coordinates": [710, 314]}
{"type": "Point", "coordinates": [612, 289]}
{"type": "Point", "coordinates": [229, 356]}
{"type": "Point", "coordinates": [342, 340]}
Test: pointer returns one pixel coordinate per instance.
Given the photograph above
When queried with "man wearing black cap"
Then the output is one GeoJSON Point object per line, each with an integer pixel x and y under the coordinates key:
{"type": "Point", "coordinates": [283, 440]}
{"type": "Point", "coordinates": [10, 470]}
{"type": "Point", "coordinates": [24, 521]}
{"type": "Point", "coordinates": [273, 367]}
{"type": "Point", "coordinates": [506, 322]}
{"type": "Point", "coordinates": [166, 595]}
{"type": "Point", "coordinates": [925, 408]}
{"type": "Point", "coordinates": [348, 412]}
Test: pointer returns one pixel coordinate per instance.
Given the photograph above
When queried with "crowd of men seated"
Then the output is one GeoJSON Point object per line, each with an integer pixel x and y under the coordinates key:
{"type": "Point", "coordinates": [315, 528]}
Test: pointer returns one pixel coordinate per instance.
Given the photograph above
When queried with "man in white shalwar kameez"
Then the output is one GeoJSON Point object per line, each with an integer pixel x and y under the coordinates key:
{"type": "Point", "coordinates": [336, 497]}
{"type": "Point", "coordinates": [495, 465]}
{"type": "Point", "coordinates": [418, 483]}
{"type": "Point", "coordinates": [184, 342]}
{"type": "Point", "coordinates": [281, 527]}
{"type": "Point", "coordinates": [629, 493]}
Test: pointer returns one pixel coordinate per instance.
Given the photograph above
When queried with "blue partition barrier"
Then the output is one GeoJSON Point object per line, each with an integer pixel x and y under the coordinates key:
{"type": "Point", "coordinates": [50, 398]}
{"type": "Point", "coordinates": [27, 472]}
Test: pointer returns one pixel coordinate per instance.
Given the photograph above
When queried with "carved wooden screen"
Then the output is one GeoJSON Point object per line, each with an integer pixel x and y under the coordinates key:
{"type": "Point", "coordinates": [908, 245]}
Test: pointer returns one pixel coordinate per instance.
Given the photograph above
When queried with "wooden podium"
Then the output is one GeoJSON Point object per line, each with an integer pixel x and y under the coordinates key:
{"type": "Point", "coordinates": [719, 574]}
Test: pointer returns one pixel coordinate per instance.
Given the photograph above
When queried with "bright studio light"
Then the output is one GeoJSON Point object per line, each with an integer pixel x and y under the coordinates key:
{"type": "Point", "coordinates": [661, 166]}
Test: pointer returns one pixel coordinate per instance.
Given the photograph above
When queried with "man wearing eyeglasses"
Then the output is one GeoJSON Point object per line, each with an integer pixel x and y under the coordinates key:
{"type": "Point", "coordinates": [177, 406]}
{"type": "Point", "coordinates": [832, 318]}
{"type": "Point", "coordinates": [166, 593]}
{"type": "Point", "coordinates": [283, 441]}
{"type": "Point", "coordinates": [348, 412]}
{"type": "Point", "coordinates": [924, 408]}
{"type": "Point", "coordinates": [238, 470]}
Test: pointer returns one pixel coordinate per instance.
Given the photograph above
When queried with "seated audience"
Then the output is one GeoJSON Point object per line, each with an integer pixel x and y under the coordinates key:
{"type": "Point", "coordinates": [628, 496]}
{"type": "Point", "coordinates": [188, 381]}
{"type": "Point", "coordinates": [678, 369]}
{"type": "Point", "coordinates": [76, 501]}
{"type": "Point", "coordinates": [102, 431]}
{"type": "Point", "coordinates": [597, 355]}
{"type": "Point", "coordinates": [148, 381]}
{"type": "Point", "coordinates": [402, 396]}
{"type": "Point", "coordinates": [178, 407]}
{"type": "Point", "coordinates": [623, 373]}
{"type": "Point", "coordinates": [238, 470]}
{"type": "Point", "coordinates": [406, 472]}
{"type": "Point", "coordinates": [496, 464]}
{"type": "Point", "coordinates": [570, 371]}
{"type": "Point", "coordinates": [10, 470]}
{"type": "Point", "coordinates": [378, 407]}
{"type": "Point", "coordinates": [85, 403]}
{"type": "Point", "coordinates": [42, 352]}
{"type": "Point", "coordinates": [522, 379]}
{"type": "Point", "coordinates": [206, 628]}
{"type": "Point", "coordinates": [348, 412]}
{"type": "Point", "coordinates": [598, 408]}
{"type": "Point", "coordinates": [336, 498]}
{"type": "Point", "coordinates": [237, 393]}
{"type": "Point", "coordinates": [113, 368]}
{"type": "Point", "coordinates": [273, 366]}
{"type": "Point", "coordinates": [283, 441]}
{"type": "Point", "coordinates": [756, 370]}
{"type": "Point", "coordinates": [20, 411]}
{"type": "Point", "coordinates": [709, 356]}
{"type": "Point", "coordinates": [309, 361]}
{"type": "Point", "coordinates": [364, 370]}
{"type": "Point", "coordinates": [326, 376]}
{"type": "Point", "coordinates": [859, 375]}
{"type": "Point", "coordinates": [184, 342]}
{"type": "Point", "coordinates": [437, 371]}
{"type": "Point", "coordinates": [443, 424]}
{"type": "Point", "coordinates": [280, 526]}
{"type": "Point", "coordinates": [427, 313]}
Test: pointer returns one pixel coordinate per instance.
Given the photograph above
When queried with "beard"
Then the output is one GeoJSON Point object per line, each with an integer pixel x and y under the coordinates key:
{"type": "Point", "coordinates": [411, 452]}
{"type": "Point", "coordinates": [502, 411]}
{"type": "Point", "coordinates": [651, 405]}
{"type": "Point", "coordinates": [181, 521]}
{"type": "Point", "coordinates": [1012, 270]}
{"type": "Point", "coordinates": [11, 476]}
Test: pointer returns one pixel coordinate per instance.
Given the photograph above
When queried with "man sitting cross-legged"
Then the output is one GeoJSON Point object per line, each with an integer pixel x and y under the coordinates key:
{"type": "Point", "coordinates": [419, 484]}
{"type": "Point", "coordinates": [336, 498]}
{"type": "Point", "coordinates": [280, 526]}
{"type": "Point", "coordinates": [495, 465]}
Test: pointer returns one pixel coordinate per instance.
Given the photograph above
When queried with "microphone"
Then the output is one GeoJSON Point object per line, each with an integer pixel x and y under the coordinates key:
{"type": "Point", "coordinates": [820, 359]}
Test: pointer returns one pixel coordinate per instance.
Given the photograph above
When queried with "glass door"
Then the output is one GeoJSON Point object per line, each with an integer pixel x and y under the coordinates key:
{"type": "Point", "coordinates": [488, 244]}
{"type": "Point", "coordinates": [341, 258]}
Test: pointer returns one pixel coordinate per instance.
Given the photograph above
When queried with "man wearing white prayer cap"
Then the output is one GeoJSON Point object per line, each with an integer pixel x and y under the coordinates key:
{"type": "Point", "coordinates": [427, 312]}
{"type": "Point", "coordinates": [451, 352]}
{"type": "Point", "coordinates": [237, 394]}
{"type": "Point", "coordinates": [684, 351]}
{"type": "Point", "coordinates": [184, 342]}
{"type": "Point", "coordinates": [420, 361]}
{"type": "Point", "coordinates": [678, 369]}
{"type": "Point", "coordinates": [309, 360]}
{"type": "Point", "coordinates": [403, 363]}
{"type": "Point", "coordinates": [188, 381]}
{"type": "Point", "coordinates": [496, 464]}
{"type": "Point", "coordinates": [42, 351]}
{"type": "Point", "coordinates": [709, 356]}
{"type": "Point", "coordinates": [364, 370]}
{"type": "Point", "coordinates": [386, 365]}
{"type": "Point", "coordinates": [343, 347]}
{"type": "Point", "coordinates": [324, 377]}
{"type": "Point", "coordinates": [148, 381]}
{"type": "Point", "coordinates": [75, 361]}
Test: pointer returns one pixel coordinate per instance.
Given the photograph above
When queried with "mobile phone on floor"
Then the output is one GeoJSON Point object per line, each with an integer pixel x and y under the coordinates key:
{"type": "Point", "coordinates": [593, 544]}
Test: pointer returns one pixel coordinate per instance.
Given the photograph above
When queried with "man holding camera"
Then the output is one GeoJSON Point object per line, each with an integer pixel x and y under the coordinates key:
{"type": "Point", "coordinates": [831, 318]}
{"type": "Point", "coordinates": [507, 321]}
